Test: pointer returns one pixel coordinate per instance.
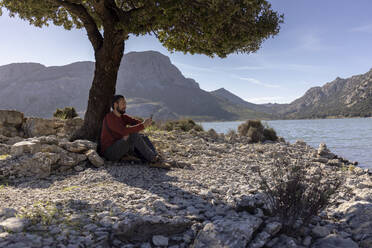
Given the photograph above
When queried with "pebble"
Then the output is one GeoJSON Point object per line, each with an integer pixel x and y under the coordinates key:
{"type": "Point", "coordinates": [160, 240]}
{"type": "Point", "coordinates": [13, 224]}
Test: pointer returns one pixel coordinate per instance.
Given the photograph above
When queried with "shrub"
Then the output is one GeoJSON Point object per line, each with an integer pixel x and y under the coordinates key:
{"type": "Point", "coordinates": [183, 125]}
{"type": "Point", "coordinates": [256, 131]}
{"type": "Point", "coordinates": [65, 113]}
{"type": "Point", "coordinates": [244, 128]}
{"type": "Point", "coordinates": [255, 134]}
{"type": "Point", "coordinates": [296, 191]}
{"type": "Point", "coordinates": [212, 133]}
{"type": "Point", "coordinates": [270, 134]}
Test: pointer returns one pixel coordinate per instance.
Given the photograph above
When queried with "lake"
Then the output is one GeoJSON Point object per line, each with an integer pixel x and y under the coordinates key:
{"type": "Point", "coordinates": [348, 138]}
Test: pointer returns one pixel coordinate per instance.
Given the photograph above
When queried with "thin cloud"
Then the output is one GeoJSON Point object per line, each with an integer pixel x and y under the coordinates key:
{"type": "Point", "coordinates": [364, 29]}
{"type": "Point", "coordinates": [196, 68]}
{"type": "Point", "coordinates": [257, 82]}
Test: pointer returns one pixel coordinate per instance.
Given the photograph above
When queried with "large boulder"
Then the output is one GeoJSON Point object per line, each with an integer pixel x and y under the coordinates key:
{"type": "Point", "coordinates": [143, 228]}
{"type": "Point", "coordinates": [11, 122]}
{"type": "Point", "coordinates": [34, 127]}
{"type": "Point", "coordinates": [233, 232]}
{"type": "Point", "coordinates": [78, 146]}
{"type": "Point", "coordinates": [25, 146]}
{"type": "Point", "coordinates": [71, 125]}
{"type": "Point", "coordinates": [37, 165]}
{"type": "Point", "coordinates": [94, 158]}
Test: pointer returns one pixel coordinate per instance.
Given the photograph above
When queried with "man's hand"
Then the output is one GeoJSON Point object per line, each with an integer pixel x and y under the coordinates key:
{"type": "Point", "coordinates": [147, 122]}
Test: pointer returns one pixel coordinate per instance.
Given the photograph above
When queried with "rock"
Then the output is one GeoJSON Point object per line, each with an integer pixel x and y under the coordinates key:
{"type": "Point", "coordinates": [246, 203]}
{"type": "Point", "coordinates": [141, 228]}
{"type": "Point", "coordinates": [159, 240]}
{"type": "Point", "coordinates": [320, 231]}
{"type": "Point", "coordinates": [228, 232]}
{"type": "Point", "coordinates": [94, 158]}
{"type": "Point", "coordinates": [34, 127]}
{"type": "Point", "coordinates": [7, 213]}
{"type": "Point", "coordinates": [79, 168]}
{"type": "Point", "coordinates": [4, 149]}
{"type": "Point", "coordinates": [43, 163]}
{"type": "Point", "coordinates": [11, 123]}
{"type": "Point", "coordinates": [334, 162]}
{"type": "Point", "coordinates": [307, 241]}
{"type": "Point", "coordinates": [358, 215]}
{"type": "Point", "coordinates": [78, 146]}
{"type": "Point", "coordinates": [323, 151]}
{"type": "Point", "coordinates": [37, 165]}
{"type": "Point", "coordinates": [285, 242]}
{"type": "Point", "coordinates": [11, 117]}
{"type": "Point", "coordinates": [70, 159]}
{"type": "Point", "coordinates": [300, 143]}
{"type": "Point", "coordinates": [25, 147]}
{"type": "Point", "coordinates": [48, 140]}
{"type": "Point", "coordinates": [273, 228]}
{"type": "Point", "coordinates": [260, 240]}
{"type": "Point", "coordinates": [334, 241]}
{"type": "Point", "coordinates": [52, 149]}
{"type": "Point", "coordinates": [13, 224]}
{"type": "Point", "coordinates": [72, 125]}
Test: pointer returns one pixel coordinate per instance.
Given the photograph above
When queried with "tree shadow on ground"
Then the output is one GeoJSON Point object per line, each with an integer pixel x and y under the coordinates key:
{"type": "Point", "coordinates": [175, 209]}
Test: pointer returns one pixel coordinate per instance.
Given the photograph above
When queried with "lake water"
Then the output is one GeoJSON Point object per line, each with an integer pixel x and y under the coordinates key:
{"type": "Point", "coordinates": [348, 138]}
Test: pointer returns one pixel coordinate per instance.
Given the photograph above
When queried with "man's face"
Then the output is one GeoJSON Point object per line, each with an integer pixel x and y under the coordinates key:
{"type": "Point", "coordinates": [121, 105]}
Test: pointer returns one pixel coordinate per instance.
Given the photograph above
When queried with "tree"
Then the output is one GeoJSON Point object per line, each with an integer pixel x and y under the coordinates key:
{"type": "Point", "coordinates": [210, 27]}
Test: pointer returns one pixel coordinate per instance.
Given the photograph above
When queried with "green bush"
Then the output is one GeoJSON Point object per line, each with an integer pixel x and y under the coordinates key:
{"type": "Point", "coordinates": [184, 125]}
{"type": "Point", "coordinates": [243, 128]}
{"type": "Point", "coordinates": [256, 131]}
{"type": "Point", "coordinates": [65, 113]}
{"type": "Point", "coordinates": [296, 191]}
{"type": "Point", "coordinates": [255, 134]}
{"type": "Point", "coordinates": [270, 134]}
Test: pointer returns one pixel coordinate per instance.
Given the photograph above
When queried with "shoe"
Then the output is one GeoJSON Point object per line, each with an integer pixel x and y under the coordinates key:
{"type": "Point", "coordinates": [130, 158]}
{"type": "Point", "coordinates": [159, 162]}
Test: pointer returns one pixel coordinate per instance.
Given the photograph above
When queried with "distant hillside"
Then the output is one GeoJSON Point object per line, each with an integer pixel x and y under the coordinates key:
{"type": "Point", "coordinates": [351, 97]}
{"type": "Point", "coordinates": [148, 79]}
{"type": "Point", "coordinates": [262, 111]}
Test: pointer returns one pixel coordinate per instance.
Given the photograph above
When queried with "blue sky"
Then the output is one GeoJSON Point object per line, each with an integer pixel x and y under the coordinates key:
{"type": "Point", "coordinates": [319, 41]}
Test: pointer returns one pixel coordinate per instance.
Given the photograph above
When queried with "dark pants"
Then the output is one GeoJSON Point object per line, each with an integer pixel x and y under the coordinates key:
{"type": "Point", "coordinates": [137, 144]}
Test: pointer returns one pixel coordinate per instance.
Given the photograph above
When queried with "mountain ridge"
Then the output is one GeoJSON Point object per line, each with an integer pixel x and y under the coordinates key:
{"type": "Point", "coordinates": [149, 77]}
{"type": "Point", "coordinates": [153, 85]}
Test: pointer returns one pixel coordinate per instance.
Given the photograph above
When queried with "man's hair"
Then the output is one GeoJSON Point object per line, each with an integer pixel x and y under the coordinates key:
{"type": "Point", "coordinates": [116, 99]}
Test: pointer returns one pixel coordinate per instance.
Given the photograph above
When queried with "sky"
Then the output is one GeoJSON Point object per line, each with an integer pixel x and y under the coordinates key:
{"type": "Point", "coordinates": [318, 41]}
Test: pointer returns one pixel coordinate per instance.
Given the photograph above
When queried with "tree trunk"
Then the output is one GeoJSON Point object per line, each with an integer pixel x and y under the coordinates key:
{"type": "Point", "coordinates": [108, 59]}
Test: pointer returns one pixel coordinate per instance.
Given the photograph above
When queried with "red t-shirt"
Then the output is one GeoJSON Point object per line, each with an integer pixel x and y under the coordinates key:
{"type": "Point", "coordinates": [120, 127]}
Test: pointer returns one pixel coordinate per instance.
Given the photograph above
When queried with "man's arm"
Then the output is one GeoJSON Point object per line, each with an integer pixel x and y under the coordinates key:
{"type": "Point", "coordinates": [117, 126]}
{"type": "Point", "coordinates": [132, 121]}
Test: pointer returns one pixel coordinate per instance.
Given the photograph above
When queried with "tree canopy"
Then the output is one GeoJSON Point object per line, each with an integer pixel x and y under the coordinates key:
{"type": "Point", "coordinates": [210, 27]}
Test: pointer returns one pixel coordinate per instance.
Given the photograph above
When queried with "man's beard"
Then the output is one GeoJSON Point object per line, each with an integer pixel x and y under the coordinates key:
{"type": "Point", "coordinates": [120, 111]}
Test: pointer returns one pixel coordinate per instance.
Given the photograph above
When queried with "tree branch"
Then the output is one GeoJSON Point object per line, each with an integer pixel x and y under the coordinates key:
{"type": "Point", "coordinates": [90, 25]}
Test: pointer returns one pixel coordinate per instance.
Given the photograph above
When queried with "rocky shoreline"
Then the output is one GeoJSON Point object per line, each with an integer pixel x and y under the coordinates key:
{"type": "Point", "coordinates": [64, 196]}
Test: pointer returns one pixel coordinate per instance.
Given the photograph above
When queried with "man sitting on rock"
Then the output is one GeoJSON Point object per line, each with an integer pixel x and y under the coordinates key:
{"type": "Point", "coordinates": [120, 135]}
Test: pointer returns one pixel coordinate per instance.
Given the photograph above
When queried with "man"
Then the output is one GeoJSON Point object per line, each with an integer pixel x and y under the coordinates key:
{"type": "Point", "coordinates": [120, 135]}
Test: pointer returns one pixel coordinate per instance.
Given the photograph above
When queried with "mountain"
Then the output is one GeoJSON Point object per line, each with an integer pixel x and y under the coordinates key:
{"type": "Point", "coordinates": [351, 97]}
{"type": "Point", "coordinates": [227, 95]}
{"type": "Point", "coordinates": [150, 82]}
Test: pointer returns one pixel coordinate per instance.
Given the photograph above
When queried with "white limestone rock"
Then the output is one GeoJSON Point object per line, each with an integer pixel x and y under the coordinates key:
{"type": "Point", "coordinates": [25, 147]}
